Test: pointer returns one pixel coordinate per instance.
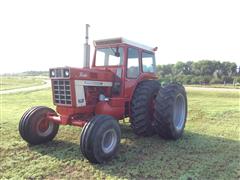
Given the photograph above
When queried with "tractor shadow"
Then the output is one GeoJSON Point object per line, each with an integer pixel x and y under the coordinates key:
{"type": "Point", "coordinates": [137, 153]}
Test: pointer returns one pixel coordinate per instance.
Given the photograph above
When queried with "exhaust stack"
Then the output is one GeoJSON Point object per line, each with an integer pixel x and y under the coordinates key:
{"type": "Point", "coordinates": [86, 53]}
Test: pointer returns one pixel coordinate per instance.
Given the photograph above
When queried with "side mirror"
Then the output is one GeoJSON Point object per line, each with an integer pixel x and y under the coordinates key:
{"type": "Point", "coordinates": [117, 54]}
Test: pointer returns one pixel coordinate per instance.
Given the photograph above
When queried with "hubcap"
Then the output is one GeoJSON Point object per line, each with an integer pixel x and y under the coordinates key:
{"type": "Point", "coordinates": [109, 140]}
{"type": "Point", "coordinates": [179, 112]}
{"type": "Point", "coordinates": [44, 127]}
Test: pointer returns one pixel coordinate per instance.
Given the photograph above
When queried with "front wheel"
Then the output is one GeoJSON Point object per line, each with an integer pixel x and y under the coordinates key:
{"type": "Point", "coordinates": [170, 112]}
{"type": "Point", "coordinates": [35, 128]}
{"type": "Point", "coordinates": [100, 138]}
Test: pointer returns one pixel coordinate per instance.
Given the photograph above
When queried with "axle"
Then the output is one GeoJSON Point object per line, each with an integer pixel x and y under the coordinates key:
{"type": "Point", "coordinates": [66, 120]}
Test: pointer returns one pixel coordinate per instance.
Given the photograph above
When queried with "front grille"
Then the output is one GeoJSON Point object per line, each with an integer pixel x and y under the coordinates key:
{"type": "Point", "coordinates": [61, 92]}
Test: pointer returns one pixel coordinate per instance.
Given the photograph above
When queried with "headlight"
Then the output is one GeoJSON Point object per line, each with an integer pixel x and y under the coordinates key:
{"type": "Point", "coordinates": [52, 73]}
{"type": "Point", "coordinates": [66, 73]}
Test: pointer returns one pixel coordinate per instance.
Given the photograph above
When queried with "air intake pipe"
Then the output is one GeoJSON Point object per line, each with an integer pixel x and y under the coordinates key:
{"type": "Point", "coordinates": [86, 53]}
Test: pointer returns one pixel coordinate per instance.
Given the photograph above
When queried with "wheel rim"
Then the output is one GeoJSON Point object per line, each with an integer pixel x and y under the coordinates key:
{"type": "Point", "coordinates": [179, 111]}
{"type": "Point", "coordinates": [44, 127]}
{"type": "Point", "coordinates": [109, 141]}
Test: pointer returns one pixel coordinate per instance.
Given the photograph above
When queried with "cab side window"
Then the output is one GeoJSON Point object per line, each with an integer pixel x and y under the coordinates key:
{"type": "Point", "coordinates": [148, 61]}
{"type": "Point", "coordinates": [133, 63]}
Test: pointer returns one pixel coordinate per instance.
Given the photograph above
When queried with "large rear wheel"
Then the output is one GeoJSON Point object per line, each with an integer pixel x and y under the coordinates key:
{"type": "Point", "coordinates": [142, 107]}
{"type": "Point", "coordinates": [35, 128]}
{"type": "Point", "coordinates": [100, 138]}
{"type": "Point", "coordinates": [170, 111]}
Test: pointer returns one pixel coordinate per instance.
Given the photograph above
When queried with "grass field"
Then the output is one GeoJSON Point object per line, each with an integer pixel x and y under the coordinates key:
{"type": "Point", "coordinates": [14, 82]}
{"type": "Point", "coordinates": [228, 86]}
{"type": "Point", "coordinates": [209, 149]}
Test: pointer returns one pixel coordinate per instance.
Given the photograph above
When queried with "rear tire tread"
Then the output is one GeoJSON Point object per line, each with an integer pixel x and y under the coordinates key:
{"type": "Point", "coordinates": [163, 113]}
{"type": "Point", "coordinates": [140, 117]}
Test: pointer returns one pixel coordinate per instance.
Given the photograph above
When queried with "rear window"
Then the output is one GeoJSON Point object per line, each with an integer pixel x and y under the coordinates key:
{"type": "Point", "coordinates": [148, 62]}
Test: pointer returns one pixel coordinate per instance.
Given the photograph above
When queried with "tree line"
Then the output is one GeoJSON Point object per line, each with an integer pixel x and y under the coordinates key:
{"type": "Point", "coordinates": [200, 72]}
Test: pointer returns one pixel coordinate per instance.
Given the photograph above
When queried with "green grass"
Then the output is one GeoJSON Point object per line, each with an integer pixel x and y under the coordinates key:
{"type": "Point", "coordinates": [209, 148]}
{"type": "Point", "coordinates": [228, 86]}
{"type": "Point", "coordinates": [14, 82]}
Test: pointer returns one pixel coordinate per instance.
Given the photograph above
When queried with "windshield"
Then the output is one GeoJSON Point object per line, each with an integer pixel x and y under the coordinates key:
{"type": "Point", "coordinates": [109, 57]}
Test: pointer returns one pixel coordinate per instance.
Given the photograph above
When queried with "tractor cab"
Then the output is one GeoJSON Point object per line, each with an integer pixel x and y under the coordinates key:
{"type": "Point", "coordinates": [130, 62]}
{"type": "Point", "coordinates": [114, 53]}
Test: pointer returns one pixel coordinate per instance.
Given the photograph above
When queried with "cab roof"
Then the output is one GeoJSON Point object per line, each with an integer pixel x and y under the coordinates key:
{"type": "Point", "coordinates": [120, 40]}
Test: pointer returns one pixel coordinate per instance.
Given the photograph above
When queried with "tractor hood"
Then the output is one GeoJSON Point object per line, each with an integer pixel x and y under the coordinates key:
{"type": "Point", "coordinates": [81, 74]}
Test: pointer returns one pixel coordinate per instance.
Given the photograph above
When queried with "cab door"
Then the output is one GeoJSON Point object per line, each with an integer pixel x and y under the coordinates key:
{"type": "Point", "coordinates": [132, 70]}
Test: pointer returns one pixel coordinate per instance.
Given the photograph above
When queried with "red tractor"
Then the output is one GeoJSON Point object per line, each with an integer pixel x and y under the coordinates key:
{"type": "Point", "coordinates": [121, 83]}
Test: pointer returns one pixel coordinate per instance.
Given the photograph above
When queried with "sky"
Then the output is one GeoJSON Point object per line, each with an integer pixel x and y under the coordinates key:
{"type": "Point", "coordinates": [37, 35]}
